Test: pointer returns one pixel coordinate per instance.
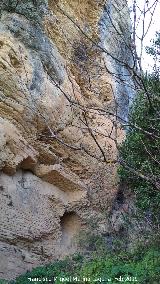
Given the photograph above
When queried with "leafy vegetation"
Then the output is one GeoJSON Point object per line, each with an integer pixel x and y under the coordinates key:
{"type": "Point", "coordinates": [154, 51]}
{"type": "Point", "coordinates": [141, 152]}
{"type": "Point", "coordinates": [140, 266]}
{"type": "Point", "coordinates": [141, 149]}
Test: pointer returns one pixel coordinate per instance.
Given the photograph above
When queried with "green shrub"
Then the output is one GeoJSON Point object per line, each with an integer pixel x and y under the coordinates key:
{"type": "Point", "coordinates": [141, 148]}
{"type": "Point", "coordinates": [142, 264]}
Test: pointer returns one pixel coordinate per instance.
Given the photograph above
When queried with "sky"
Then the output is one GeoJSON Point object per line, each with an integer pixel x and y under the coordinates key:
{"type": "Point", "coordinates": [147, 61]}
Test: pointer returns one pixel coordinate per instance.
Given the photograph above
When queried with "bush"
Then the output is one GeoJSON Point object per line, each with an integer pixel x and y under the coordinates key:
{"type": "Point", "coordinates": [141, 265]}
{"type": "Point", "coordinates": [141, 148]}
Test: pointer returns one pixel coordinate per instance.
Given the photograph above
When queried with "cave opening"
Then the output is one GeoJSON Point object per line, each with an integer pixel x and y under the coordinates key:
{"type": "Point", "coordinates": [70, 228]}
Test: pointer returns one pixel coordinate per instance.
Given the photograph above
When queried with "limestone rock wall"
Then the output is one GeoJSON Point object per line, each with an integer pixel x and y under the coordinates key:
{"type": "Point", "coordinates": [115, 30]}
{"type": "Point", "coordinates": [53, 80]}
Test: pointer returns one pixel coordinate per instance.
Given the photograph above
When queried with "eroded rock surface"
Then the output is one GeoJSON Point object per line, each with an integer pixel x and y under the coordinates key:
{"type": "Point", "coordinates": [53, 80]}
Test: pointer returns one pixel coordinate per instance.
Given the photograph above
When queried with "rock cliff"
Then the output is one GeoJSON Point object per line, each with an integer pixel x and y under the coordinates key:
{"type": "Point", "coordinates": [57, 150]}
